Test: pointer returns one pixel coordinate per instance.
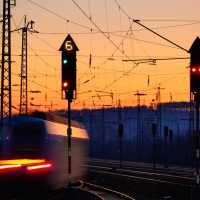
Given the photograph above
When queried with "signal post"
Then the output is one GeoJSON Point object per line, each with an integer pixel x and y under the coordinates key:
{"type": "Point", "coordinates": [195, 93]}
{"type": "Point", "coordinates": [68, 86]}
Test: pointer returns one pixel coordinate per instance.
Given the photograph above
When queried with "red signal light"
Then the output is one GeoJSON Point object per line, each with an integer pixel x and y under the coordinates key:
{"type": "Point", "coordinates": [65, 84]}
{"type": "Point", "coordinates": [195, 70]}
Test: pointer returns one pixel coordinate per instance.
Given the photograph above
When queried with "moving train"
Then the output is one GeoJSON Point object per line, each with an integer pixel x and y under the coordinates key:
{"type": "Point", "coordinates": [36, 155]}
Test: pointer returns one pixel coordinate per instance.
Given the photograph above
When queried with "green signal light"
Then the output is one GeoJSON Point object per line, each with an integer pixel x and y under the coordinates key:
{"type": "Point", "coordinates": [65, 61]}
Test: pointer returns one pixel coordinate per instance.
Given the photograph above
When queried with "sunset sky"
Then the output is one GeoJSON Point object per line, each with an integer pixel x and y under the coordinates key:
{"type": "Point", "coordinates": [105, 30]}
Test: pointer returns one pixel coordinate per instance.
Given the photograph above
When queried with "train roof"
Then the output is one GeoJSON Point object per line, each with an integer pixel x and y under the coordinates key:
{"type": "Point", "coordinates": [56, 118]}
{"type": "Point", "coordinates": [37, 115]}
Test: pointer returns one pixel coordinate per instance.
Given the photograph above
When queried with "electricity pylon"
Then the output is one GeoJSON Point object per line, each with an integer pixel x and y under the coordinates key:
{"type": "Point", "coordinates": [6, 74]}
{"type": "Point", "coordinates": [23, 86]}
{"type": "Point", "coordinates": [6, 61]}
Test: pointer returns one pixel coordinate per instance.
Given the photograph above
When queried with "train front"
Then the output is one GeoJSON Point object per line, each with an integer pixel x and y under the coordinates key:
{"type": "Point", "coordinates": [35, 160]}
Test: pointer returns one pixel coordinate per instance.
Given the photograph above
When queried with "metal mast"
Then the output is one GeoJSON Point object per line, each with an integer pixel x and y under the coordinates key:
{"type": "Point", "coordinates": [23, 86]}
{"type": "Point", "coordinates": [120, 132]}
{"type": "Point", "coordinates": [6, 61]}
{"type": "Point", "coordinates": [158, 113]}
{"type": "Point", "coordinates": [191, 121]}
{"type": "Point", "coordinates": [158, 99]}
{"type": "Point", "coordinates": [103, 134]}
{"type": "Point", "coordinates": [139, 131]}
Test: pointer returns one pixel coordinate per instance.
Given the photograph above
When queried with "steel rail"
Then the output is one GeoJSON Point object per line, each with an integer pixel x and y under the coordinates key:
{"type": "Point", "coordinates": [92, 194]}
{"type": "Point", "coordinates": [109, 191]}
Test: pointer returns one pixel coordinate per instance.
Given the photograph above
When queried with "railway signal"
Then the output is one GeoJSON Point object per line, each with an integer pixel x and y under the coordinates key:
{"type": "Point", "coordinates": [170, 135]}
{"type": "Point", "coordinates": [68, 85]}
{"type": "Point", "coordinates": [154, 129]}
{"type": "Point", "coordinates": [68, 63]}
{"type": "Point", "coordinates": [195, 69]}
{"type": "Point", "coordinates": [120, 130]}
{"type": "Point", "coordinates": [165, 132]}
{"type": "Point", "coordinates": [195, 79]}
{"type": "Point", "coordinates": [195, 90]}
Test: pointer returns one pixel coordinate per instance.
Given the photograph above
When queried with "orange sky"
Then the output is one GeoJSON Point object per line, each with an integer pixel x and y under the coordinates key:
{"type": "Point", "coordinates": [105, 29]}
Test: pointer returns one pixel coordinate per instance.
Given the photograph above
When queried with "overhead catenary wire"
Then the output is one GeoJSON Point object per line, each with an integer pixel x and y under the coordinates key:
{"type": "Point", "coordinates": [117, 46]}
{"type": "Point", "coordinates": [103, 68]}
{"type": "Point", "coordinates": [137, 21]}
{"type": "Point", "coordinates": [58, 15]}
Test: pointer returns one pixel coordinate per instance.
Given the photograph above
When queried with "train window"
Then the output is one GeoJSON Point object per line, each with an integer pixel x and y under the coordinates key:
{"type": "Point", "coordinates": [29, 128]}
{"type": "Point", "coordinates": [28, 137]}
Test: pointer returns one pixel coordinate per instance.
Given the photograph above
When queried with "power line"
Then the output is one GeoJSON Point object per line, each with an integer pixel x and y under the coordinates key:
{"type": "Point", "coordinates": [137, 21]}
{"type": "Point", "coordinates": [116, 33]}
{"type": "Point", "coordinates": [155, 59]}
{"type": "Point", "coordinates": [58, 15]}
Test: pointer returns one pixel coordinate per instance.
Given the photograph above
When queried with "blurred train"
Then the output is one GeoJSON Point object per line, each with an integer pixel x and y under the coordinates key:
{"type": "Point", "coordinates": [36, 156]}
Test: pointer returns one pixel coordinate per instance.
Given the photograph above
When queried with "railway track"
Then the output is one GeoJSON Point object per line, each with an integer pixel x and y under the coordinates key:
{"type": "Point", "coordinates": [85, 191]}
{"type": "Point", "coordinates": [102, 193]}
{"type": "Point", "coordinates": [174, 175]}
{"type": "Point", "coordinates": [133, 175]}
{"type": "Point", "coordinates": [142, 180]}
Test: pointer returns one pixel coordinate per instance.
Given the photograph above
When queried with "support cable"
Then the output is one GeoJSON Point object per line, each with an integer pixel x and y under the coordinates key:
{"type": "Point", "coordinates": [137, 21]}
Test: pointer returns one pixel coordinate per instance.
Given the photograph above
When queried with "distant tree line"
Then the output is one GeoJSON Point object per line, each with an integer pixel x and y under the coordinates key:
{"type": "Point", "coordinates": [137, 143]}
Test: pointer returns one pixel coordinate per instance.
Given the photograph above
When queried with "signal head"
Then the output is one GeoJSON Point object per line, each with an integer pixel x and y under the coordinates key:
{"type": "Point", "coordinates": [195, 79]}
